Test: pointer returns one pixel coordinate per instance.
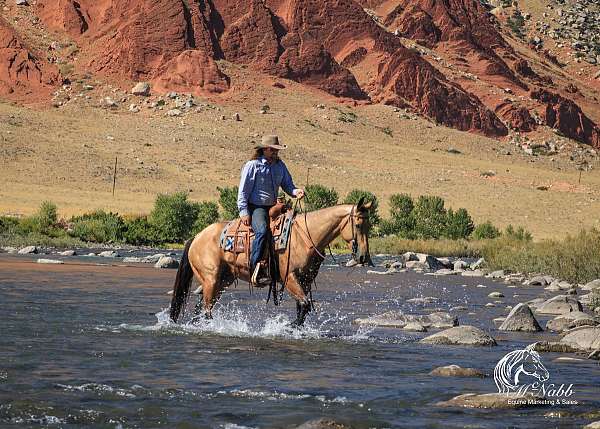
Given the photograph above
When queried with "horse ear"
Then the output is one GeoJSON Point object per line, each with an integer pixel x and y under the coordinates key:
{"type": "Point", "coordinates": [368, 205]}
{"type": "Point", "coordinates": [360, 203]}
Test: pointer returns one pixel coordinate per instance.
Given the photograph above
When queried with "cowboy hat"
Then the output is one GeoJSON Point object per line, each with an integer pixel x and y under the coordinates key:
{"type": "Point", "coordinates": [272, 142]}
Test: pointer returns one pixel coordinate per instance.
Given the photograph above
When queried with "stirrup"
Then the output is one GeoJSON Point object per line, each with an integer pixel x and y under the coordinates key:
{"type": "Point", "coordinates": [259, 279]}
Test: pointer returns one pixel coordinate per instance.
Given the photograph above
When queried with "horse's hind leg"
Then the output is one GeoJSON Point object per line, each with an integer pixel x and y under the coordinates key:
{"type": "Point", "coordinates": [302, 302]}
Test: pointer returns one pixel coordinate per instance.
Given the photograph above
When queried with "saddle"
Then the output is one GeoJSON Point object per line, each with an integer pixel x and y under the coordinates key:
{"type": "Point", "coordinates": [237, 237]}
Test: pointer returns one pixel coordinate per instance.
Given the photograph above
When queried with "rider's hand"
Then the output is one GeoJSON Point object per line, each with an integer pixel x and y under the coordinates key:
{"type": "Point", "coordinates": [246, 220]}
{"type": "Point", "coordinates": [299, 193]}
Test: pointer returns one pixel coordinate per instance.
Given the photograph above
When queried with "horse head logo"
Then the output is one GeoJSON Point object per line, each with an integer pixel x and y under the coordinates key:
{"type": "Point", "coordinates": [520, 370]}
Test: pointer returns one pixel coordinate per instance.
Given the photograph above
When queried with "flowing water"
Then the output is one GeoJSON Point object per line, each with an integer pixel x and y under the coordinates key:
{"type": "Point", "coordinates": [87, 345]}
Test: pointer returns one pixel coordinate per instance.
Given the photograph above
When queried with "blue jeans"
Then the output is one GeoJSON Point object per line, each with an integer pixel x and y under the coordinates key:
{"type": "Point", "coordinates": [260, 226]}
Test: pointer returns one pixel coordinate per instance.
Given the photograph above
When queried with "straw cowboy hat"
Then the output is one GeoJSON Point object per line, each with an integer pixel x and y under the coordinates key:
{"type": "Point", "coordinates": [272, 142]}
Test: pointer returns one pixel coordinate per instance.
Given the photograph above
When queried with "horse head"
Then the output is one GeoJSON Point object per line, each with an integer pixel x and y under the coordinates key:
{"type": "Point", "coordinates": [356, 231]}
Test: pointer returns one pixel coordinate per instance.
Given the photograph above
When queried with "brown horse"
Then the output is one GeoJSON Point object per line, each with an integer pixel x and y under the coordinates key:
{"type": "Point", "coordinates": [299, 264]}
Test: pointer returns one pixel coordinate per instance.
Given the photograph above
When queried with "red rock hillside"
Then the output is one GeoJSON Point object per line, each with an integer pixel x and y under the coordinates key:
{"type": "Point", "coordinates": [21, 73]}
{"type": "Point", "coordinates": [372, 50]}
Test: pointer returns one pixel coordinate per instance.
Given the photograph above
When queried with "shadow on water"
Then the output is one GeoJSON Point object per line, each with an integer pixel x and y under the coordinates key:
{"type": "Point", "coordinates": [90, 346]}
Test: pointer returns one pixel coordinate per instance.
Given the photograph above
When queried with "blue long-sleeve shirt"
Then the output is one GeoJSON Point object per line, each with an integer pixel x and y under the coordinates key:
{"type": "Point", "coordinates": [260, 182]}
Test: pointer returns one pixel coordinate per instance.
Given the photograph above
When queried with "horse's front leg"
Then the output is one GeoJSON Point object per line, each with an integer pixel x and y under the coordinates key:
{"type": "Point", "coordinates": [302, 301]}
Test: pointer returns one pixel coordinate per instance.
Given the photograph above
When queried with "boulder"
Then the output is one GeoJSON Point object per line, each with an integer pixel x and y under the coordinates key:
{"type": "Point", "coordinates": [477, 264]}
{"type": "Point", "coordinates": [141, 88]}
{"type": "Point", "coordinates": [594, 284]}
{"type": "Point", "coordinates": [461, 335]}
{"type": "Point", "coordinates": [521, 319]}
{"type": "Point", "coordinates": [417, 265]}
{"type": "Point", "coordinates": [540, 281]}
{"type": "Point", "coordinates": [109, 254]}
{"type": "Point", "coordinates": [68, 253]}
{"type": "Point", "coordinates": [460, 265]}
{"type": "Point", "coordinates": [560, 304]}
{"type": "Point", "coordinates": [583, 339]}
{"type": "Point", "coordinates": [490, 400]}
{"type": "Point", "coordinates": [593, 425]}
{"type": "Point", "coordinates": [495, 295]}
{"type": "Point", "coordinates": [496, 274]}
{"type": "Point", "coordinates": [153, 259]}
{"type": "Point", "coordinates": [49, 261]}
{"type": "Point", "coordinates": [571, 320]}
{"type": "Point", "coordinates": [29, 250]}
{"type": "Point", "coordinates": [415, 327]}
{"type": "Point", "coordinates": [474, 273]}
{"type": "Point", "coordinates": [456, 371]}
{"type": "Point", "coordinates": [166, 262]}
{"type": "Point", "coordinates": [398, 319]}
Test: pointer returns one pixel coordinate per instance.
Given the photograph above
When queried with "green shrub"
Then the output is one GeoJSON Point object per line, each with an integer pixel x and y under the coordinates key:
{"type": "Point", "coordinates": [47, 215]}
{"type": "Point", "coordinates": [520, 233]}
{"type": "Point", "coordinates": [99, 227]}
{"type": "Point", "coordinates": [430, 217]}
{"type": "Point", "coordinates": [319, 197]}
{"type": "Point", "coordinates": [402, 217]}
{"type": "Point", "coordinates": [458, 224]}
{"type": "Point", "coordinates": [173, 217]}
{"type": "Point", "coordinates": [356, 194]}
{"type": "Point", "coordinates": [8, 224]}
{"type": "Point", "coordinates": [208, 213]}
{"type": "Point", "coordinates": [517, 23]}
{"type": "Point", "coordinates": [140, 232]}
{"type": "Point", "coordinates": [485, 231]}
{"type": "Point", "coordinates": [228, 202]}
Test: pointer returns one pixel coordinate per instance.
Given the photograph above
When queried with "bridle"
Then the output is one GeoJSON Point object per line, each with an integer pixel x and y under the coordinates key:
{"type": "Point", "coordinates": [353, 241]}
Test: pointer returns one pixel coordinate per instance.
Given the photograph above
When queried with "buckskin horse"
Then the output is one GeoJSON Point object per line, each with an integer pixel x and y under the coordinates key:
{"type": "Point", "coordinates": [299, 263]}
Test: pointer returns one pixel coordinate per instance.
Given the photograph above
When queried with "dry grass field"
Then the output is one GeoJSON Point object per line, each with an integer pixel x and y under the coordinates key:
{"type": "Point", "coordinates": [67, 155]}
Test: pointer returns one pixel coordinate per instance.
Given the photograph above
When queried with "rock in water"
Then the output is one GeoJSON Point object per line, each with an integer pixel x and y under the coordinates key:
{"type": "Point", "coordinates": [109, 254]}
{"type": "Point", "coordinates": [68, 253]}
{"type": "Point", "coordinates": [142, 89]}
{"type": "Point", "coordinates": [29, 250]}
{"type": "Point", "coordinates": [594, 284]}
{"type": "Point", "coordinates": [166, 262]}
{"type": "Point", "coordinates": [490, 400]}
{"type": "Point", "coordinates": [522, 319]}
{"type": "Point", "coordinates": [584, 339]}
{"type": "Point", "coordinates": [456, 371]}
{"type": "Point", "coordinates": [560, 304]}
{"type": "Point", "coordinates": [461, 335]}
{"type": "Point", "coordinates": [49, 261]}
{"type": "Point", "coordinates": [323, 423]}
{"type": "Point", "coordinates": [571, 320]}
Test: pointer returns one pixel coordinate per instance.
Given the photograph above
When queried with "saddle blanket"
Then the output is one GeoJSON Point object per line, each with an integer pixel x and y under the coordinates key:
{"type": "Point", "coordinates": [237, 237]}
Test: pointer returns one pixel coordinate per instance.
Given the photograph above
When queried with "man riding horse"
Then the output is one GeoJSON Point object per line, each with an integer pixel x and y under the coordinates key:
{"type": "Point", "coordinates": [260, 180]}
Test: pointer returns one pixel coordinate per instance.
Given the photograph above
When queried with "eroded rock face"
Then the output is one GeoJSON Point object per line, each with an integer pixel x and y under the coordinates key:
{"type": "Point", "coordinates": [566, 116]}
{"type": "Point", "coordinates": [517, 117]}
{"type": "Point", "coordinates": [21, 72]}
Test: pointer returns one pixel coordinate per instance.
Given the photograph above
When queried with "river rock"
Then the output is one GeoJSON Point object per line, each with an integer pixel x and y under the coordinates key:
{"type": "Point", "coordinates": [109, 254]}
{"type": "Point", "coordinates": [474, 273]}
{"type": "Point", "coordinates": [68, 253]}
{"type": "Point", "coordinates": [571, 320]}
{"type": "Point", "coordinates": [594, 284]}
{"type": "Point", "coordinates": [520, 319]}
{"type": "Point", "coordinates": [560, 304]}
{"type": "Point", "coordinates": [496, 274]}
{"type": "Point", "coordinates": [142, 88]}
{"type": "Point", "coordinates": [540, 281]}
{"type": "Point", "coordinates": [460, 265]}
{"type": "Point", "coordinates": [415, 327]}
{"type": "Point", "coordinates": [495, 295]}
{"type": "Point", "coordinates": [584, 339]}
{"type": "Point", "coordinates": [323, 423]}
{"type": "Point", "coordinates": [416, 265]}
{"type": "Point", "coordinates": [10, 249]}
{"type": "Point", "coordinates": [456, 371]}
{"type": "Point", "coordinates": [398, 319]}
{"type": "Point", "coordinates": [153, 259]}
{"type": "Point", "coordinates": [477, 264]}
{"type": "Point", "coordinates": [29, 250]}
{"type": "Point", "coordinates": [133, 260]}
{"type": "Point", "coordinates": [461, 335]}
{"type": "Point", "coordinates": [49, 261]}
{"type": "Point", "coordinates": [593, 425]}
{"type": "Point", "coordinates": [445, 272]}
{"type": "Point", "coordinates": [166, 262]}
{"type": "Point", "coordinates": [490, 400]}
{"type": "Point", "coordinates": [423, 300]}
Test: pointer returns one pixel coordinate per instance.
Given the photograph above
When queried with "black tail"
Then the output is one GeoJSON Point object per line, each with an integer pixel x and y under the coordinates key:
{"type": "Point", "coordinates": [183, 281]}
